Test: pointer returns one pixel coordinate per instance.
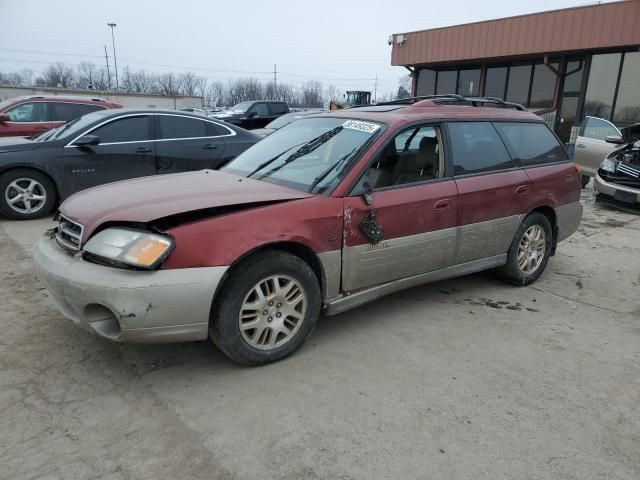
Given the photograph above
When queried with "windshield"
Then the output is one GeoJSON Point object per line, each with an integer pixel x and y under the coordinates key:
{"type": "Point", "coordinates": [74, 127]}
{"type": "Point", "coordinates": [309, 154]}
{"type": "Point", "coordinates": [241, 107]}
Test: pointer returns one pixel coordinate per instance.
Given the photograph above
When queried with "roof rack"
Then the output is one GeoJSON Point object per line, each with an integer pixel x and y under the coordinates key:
{"type": "Point", "coordinates": [453, 99]}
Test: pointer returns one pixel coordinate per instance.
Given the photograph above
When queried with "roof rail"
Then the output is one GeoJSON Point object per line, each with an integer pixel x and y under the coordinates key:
{"type": "Point", "coordinates": [452, 99]}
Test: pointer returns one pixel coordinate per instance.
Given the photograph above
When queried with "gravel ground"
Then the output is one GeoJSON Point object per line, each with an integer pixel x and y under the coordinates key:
{"type": "Point", "coordinates": [463, 379]}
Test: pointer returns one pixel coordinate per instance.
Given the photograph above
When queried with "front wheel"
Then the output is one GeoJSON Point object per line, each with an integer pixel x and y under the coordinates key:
{"type": "Point", "coordinates": [266, 309]}
{"type": "Point", "coordinates": [530, 250]}
{"type": "Point", "coordinates": [26, 194]}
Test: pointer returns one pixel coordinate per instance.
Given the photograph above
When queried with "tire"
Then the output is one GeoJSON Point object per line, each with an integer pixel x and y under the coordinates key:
{"type": "Point", "coordinates": [513, 271]}
{"type": "Point", "coordinates": [282, 321]}
{"type": "Point", "coordinates": [585, 180]}
{"type": "Point", "coordinates": [33, 193]}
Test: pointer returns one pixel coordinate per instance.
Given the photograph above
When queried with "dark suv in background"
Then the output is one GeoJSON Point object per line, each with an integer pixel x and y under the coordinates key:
{"type": "Point", "coordinates": [255, 114]}
{"type": "Point", "coordinates": [32, 115]}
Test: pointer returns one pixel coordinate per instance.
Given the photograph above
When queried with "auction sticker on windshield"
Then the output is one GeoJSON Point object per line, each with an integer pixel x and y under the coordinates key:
{"type": "Point", "coordinates": [367, 127]}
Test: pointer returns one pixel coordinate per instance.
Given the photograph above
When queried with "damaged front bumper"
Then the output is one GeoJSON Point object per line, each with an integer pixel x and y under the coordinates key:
{"type": "Point", "coordinates": [628, 193]}
{"type": "Point", "coordinates": [128, 305]}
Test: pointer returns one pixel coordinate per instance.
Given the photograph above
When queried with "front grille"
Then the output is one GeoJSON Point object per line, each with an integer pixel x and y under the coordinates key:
{"type": "Point", "coordinates": [623, 180]}
{"type": "Point", "coordinates": [69, 234]}
{"type": "Point", "coordinates": [628, 169]}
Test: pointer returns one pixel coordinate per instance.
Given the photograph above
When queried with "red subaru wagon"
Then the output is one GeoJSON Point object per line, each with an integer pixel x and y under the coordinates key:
{"type": "Point", "coordinates": [325, 214]}
{"type": "Point", "coordinates": [32, 115]}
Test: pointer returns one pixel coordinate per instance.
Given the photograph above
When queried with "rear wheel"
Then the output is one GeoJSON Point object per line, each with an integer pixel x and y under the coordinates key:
{"type": "Point", "coordinates": [26, 194]}
{"type": "Point", "coordinates": [530, 250]}
{"type": "Point", "coordinates": [266, 309]}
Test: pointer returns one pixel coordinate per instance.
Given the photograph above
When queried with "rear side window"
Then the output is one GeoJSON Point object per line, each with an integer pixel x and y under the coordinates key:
{"type": "Point", "coordinates": [531, 143]}
{"type": "Point", "coordinates": [278, 108]}
{"type": "Point", "coordinates": [64, 112]}
{"type": "Point", "coordinates": [215, 130]}
{"type": "Point", "coordinates": [129, 129]}
{"type": "Point", "coordinates": [173, 127]}
{"type": "Point", "coordinates": [477, 148]}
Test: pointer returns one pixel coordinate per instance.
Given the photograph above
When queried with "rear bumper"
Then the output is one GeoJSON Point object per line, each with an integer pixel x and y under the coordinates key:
{"type": "Point", "coordinates": [125, 305]}
{"type": "Point", "coordinates": [609, 189]}
{"type": "Point", "coordinates": [568, 219]}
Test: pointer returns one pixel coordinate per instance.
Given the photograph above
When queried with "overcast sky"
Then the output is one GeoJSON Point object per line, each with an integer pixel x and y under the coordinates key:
{"type": "Point", "coordinates": [338, 42]}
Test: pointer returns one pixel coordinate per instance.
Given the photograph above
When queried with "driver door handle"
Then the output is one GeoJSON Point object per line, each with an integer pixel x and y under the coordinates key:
{"type": "Point", "coordinates": [522, 190]}
{"type": "Point", "coordinates": [441, 204]}
{"type": "Point", "coordinates": [143, 150]}
{"type": "Point", "coordinates": [580, 145]}
{"type": "Point", "coordinates": [209, 146]}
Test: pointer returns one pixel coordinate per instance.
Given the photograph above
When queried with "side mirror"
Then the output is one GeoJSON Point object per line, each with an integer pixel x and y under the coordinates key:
{"type": "Point", "coordinates": [617, 139]}
{"type": "Point", "coordinates": [252, 114]}
{"type": "Point", "coordinates": [87, 141]}
{"type": "Point", "coordinates": [4, 118]}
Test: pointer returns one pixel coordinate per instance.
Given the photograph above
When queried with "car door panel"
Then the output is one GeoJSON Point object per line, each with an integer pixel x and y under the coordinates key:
{"type": "Point", "coordinates": [419, 234]}
{"type": "Point", "coordinates": [591, 147]}
{"type": "Point", "coordinates": [90, 166]}
{"type": "Point", "coordinates": [187, 154]}
{"type": "Point", "coordinates": [490, 208]}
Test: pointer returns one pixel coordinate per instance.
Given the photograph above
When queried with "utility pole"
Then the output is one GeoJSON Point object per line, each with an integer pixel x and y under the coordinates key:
{"type": "Point", "coordinates": [106, 57]}
{"type": "Point", "coordinates": [375, 90]}
{"type": "Point", "coordinates": [113, 42]}
{"type": "Point", "coordinates": [275, 83]}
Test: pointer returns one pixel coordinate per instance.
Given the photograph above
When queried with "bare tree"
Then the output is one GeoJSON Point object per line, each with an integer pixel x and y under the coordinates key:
{"type": "Point", "coordinates": [169, 84]}
{"type": "Point", "coordinates": [332, 93]}
{"type": "Point", "coordinates": [311, 94]}
{"type": "Point", "coordinates": [243, 89]}
{"type": "Point", "coordinates": [58, 75]}
{"type": "Point", "coordinates": [405, 83]}
{"type": "Point", "coordinates": [85, 75]}
{"type": "Point", "coordinates": [142, 82]}
{"type": "Point", "coordinates": [215, 93]}
{"type": "Point", "coordinates": [187, 82]}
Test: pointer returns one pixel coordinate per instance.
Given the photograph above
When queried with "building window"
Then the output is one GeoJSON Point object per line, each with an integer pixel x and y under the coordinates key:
{"type": "Point", "coordinates": [601, 88]}
{"type": "Point", "coordinates": [495, 82]}
{"type": "Point", "coordinates": [447, 82]}
{"type": "Point", "coordinates": [518, 87]}
{"type": "Point", "coordinates": [628, 101]}
{"type": "Point", "coordinates": [543, 86]}
{"type": "Point", "coordinates": [426, 84]}
{"type": "Point", "coordinates": [573, 76]}
{"type": "Point", "coordinates": [469, 82]}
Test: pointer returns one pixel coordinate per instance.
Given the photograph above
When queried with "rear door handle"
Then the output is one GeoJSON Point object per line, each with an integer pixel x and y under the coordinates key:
{"type": "Point", "coordinates": [441, 204]}
{"type": "Point", "coordinates": [143, 150]}
{"type": "Point", "coordinates": [522, 190]}
{"type": "Point", "coordinates": [581, 145]}
{"type": "Point", "coordinates": [209, 146]}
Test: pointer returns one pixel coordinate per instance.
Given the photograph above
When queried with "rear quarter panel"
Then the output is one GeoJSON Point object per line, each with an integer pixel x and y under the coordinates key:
{"type": "Point", "coordinates": [554, 185]}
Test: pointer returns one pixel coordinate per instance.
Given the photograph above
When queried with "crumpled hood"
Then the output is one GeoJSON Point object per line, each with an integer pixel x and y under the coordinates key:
{"type": "Point", "coordinates": [150, 198]}
{"type": "Point", "coordinates": [631, 133]}
{"type": "Point", "coordinates": [14, 144]}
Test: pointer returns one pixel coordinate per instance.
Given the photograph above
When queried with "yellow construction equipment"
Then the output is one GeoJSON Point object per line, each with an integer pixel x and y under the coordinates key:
{"type": "Point", "coordinates": [353, 98]}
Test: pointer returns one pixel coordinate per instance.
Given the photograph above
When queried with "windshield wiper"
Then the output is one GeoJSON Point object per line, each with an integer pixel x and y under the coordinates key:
{"type": "Point", "coordinates": [326, 172]}
{"type": "Point", "coordinates": [305, 149]}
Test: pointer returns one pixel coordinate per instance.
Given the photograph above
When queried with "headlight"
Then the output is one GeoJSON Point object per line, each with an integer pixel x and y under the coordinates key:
{"type": "Point", "coordinates": [609, 165]}
{"type": "Point", "coordinates": [130, 247]}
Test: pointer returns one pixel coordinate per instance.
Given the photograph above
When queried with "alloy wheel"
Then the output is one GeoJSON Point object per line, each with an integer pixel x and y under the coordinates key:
{"type": "Point", "coordinates": [272, 312]}
{"type": "Point", "coordinates": [532, 249]}
{"type": "Point", "coordinates": [25, 195]}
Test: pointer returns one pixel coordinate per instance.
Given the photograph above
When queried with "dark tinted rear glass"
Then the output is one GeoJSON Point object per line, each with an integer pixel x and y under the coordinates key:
{"type": "Point", "coordinates": [215, 130]}
{"type": "Point", "coordinates": [531, 143]}
{"type": "Point", "coordinates": [180, 127]}
{"type": "Point", "coordinates": [477, 148]}
{"type": "Point", "coordinates": [278, 108]}
{"type": "Point", "coordinates": [129, 129]}
{"type": "Point", "coordinates": [64, 112]}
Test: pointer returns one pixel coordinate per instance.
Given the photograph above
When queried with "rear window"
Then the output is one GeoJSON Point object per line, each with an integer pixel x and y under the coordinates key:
{"type": "Point", "coordinates": [175, 127]}
{"type": "Point", "coordinates": [531, 143]}
{"type": "Point", "coordinates": [477, 148]}
{"type": "Point", "coordinates": [64, 112]}
{"type": "Point", "coordinates": [278, 108]}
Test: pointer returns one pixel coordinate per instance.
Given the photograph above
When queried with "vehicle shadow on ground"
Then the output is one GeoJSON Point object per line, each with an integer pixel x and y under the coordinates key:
{"type": "Point", "coordinates": [375, 317]}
